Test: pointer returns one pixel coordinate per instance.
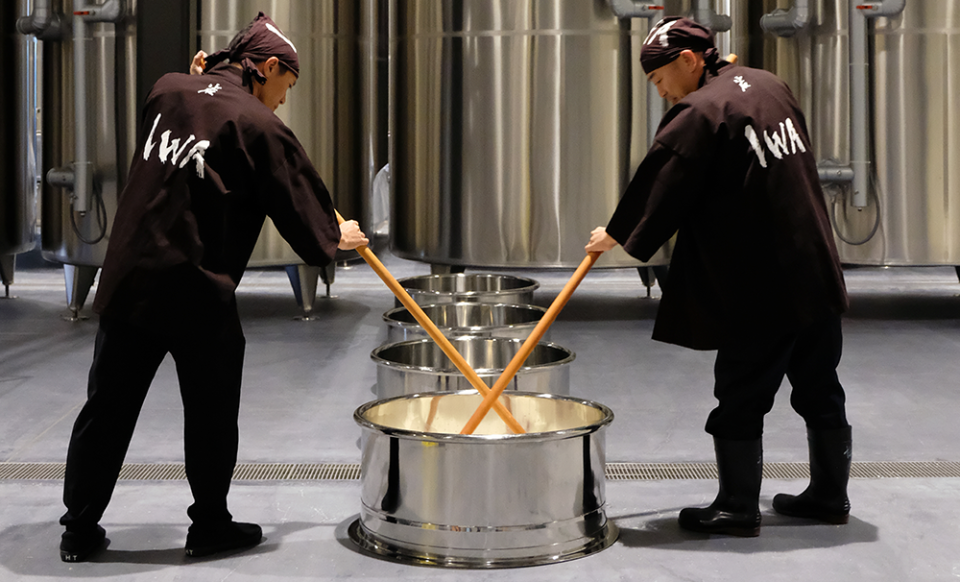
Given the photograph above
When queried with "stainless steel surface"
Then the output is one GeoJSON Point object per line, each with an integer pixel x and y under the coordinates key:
{"type": "Point", "coordinates": [373, 96]}
{"type": "Point", "coordinates": [81, 168]}
{"type": "Point", "coordinates": [635, 9]}
{"type": "Point", "coordinates": [789, 22]}
{"type": "Point", "coordinates": [467, 319]}
{"type": "Point", "coordinates": [18, 123]}
{"type": "Point", "coordinates": [416, 366]}
{"type": "Point", "coordinates": [325, 107]}
{"type": "Point", "coordinates": [899, 368]}
{"type": "Point", "coordinates": [432, 496]}
{"type": "Point", "coordinates": [472, 288]}
{"type": "Point", "coordinates": [704, 13]}
{"type": "Point", "coordinates": [111, 116]}
{"type": "Point", "coordinates": [517, 126]}
{"type": "Point", "coordinates": [912, 119]}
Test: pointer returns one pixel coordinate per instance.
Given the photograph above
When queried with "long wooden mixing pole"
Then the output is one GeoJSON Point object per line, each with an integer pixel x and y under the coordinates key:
{"type": "Point", "coordinates": [435, 334]}
{"type": "Point", "coordinates": [531, 342]}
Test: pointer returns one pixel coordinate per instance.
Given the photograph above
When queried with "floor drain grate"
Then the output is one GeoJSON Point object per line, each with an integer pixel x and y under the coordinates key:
{"type": "Point", "coordinates": [614, 471]}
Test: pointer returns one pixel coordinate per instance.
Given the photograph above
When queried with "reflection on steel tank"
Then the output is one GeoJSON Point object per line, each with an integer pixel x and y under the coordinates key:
{"type": "Point", "coordinates": [338, 108]}
{"type": "Point", "coordinates": [18, 156]}
{"type": "Point", "coordinates": [323, 109]}
{"type": "Point", "coordinates": [126, 46]}
{"type": "Point", "coordinates": [88, 122]}
{"type": "Point", "coordinates": [903, 208]}
{"type": "Point", "coordinates": [516, 126]}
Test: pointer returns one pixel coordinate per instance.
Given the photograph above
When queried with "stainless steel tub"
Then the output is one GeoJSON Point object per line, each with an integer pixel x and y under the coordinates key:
{"type": "Point", "coordinates": [489, 500]}
{"type": "Point", "coordinates": [472, 288]}
{"type": "Point", "coordinates": [466, 319]}
{"type": "Point", "coordinates": [416, 366]}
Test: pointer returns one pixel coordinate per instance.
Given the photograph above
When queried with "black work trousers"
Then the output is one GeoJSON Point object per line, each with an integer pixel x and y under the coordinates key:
{"type": "Point", "coordinates": [208, 352]}
{"type": "Point", "coordinates": [748, 373]}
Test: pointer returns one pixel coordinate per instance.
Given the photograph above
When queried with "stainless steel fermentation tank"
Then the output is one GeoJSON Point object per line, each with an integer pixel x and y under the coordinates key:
{"type": "Point", "coordinates": [323, 109]}
{"type": "Point", "coordinates": [910, 210]}
{"type": "Point", "coordinates": [18, 155]}
{"type": "Point", "coordinates": [84, 157]}
{"type": "Point", "coordinates": [517, 126]}
{"type": "Point", "coordinates": [343, 133]}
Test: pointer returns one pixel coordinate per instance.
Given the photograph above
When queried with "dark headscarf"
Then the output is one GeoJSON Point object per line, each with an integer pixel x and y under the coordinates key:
{"type": "Point", "coordinates": [673, 35]}
{"type": "Point", "coordinates": [260, 40]}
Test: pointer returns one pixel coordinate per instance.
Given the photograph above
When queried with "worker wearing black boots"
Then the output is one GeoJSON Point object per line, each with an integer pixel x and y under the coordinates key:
{"type": "Point", "coordinates": [731, 171]}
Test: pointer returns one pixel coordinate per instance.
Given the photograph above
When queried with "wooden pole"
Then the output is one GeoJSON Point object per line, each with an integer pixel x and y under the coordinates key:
{"type": "Point", "coordinates": [435, 333]}
{"type": "Point", "coordinates": [531, 342]}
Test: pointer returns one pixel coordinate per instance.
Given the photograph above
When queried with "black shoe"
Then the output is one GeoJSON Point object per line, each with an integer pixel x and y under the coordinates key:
{"type": "Point", "coordinates": [203, 540]}
{"type": "Point", "coordinates": [736, 510]}
{"type": "Point", "coordinates": [77, 546]}
{"type": "Point", "coordinates": [806, 506]}
{"type": "Point", "coordinates": [717, 521]}
{"type": "Point", "coordinates": [825, 499]}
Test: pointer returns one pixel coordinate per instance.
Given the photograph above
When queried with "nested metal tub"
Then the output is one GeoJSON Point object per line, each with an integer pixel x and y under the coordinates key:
{"type": "Point", "coordinates": [466, 319]}
{"type": "Point", "coordinates": [489, 500]}
{"type": "Point", "coordinates": [472, 288]}
{"type": "Point", "coordinates": [416, 366]}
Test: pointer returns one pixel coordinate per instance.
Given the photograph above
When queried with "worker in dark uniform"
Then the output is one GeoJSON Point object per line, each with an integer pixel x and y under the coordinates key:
{"type": "Point", "coordinates": [754, 274]}
{"type": "Point", "coordinates": [213, 161]}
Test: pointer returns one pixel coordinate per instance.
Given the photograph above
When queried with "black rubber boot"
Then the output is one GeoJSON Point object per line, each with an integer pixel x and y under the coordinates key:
{"type": "Point", "coordinates": [825, 499]}
{"type": "Point", "coordinates": [736, 510]}
{"type": "Point", "coordinates": [211, 538]}
{"type": "Point", "coordinates": [79, 545]}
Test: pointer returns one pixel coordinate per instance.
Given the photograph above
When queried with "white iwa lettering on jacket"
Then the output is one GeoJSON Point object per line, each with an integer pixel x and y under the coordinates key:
{"type": "Point", "coordinates": [784, 143]}
{"type": "Point", "coordinates": [171, 148]}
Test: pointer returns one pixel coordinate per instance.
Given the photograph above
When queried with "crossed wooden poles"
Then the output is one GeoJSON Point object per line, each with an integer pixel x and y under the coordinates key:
{"type": "Point", "coordinates": [490, 395]}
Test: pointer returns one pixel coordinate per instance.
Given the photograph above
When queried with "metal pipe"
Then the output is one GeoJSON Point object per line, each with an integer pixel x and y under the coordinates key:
{"type": "Point", "coordinates": [858, 172]}
{"type": "Point", "coordinates": [42, 23]}
{"type": "Point", "coordinates": [883, 8]}
{"type": "Point", "coordinates": [704, 14]}
{"type": "Point", "coordinates": [859, 109]}
{"type": "Point", "coordinates": [634, 9]}
{"type": "Point", "coordinates": [787, 23]}
{"type": "Point", "coordinates": [82, 174]}
{"type": "Point", "coordinates": [109, 11]}
{"type": "Point", "coordinates": [653, 13]}
{"type": "Point", "coordinates": [82, 167]}
{"type": "Point", "coordinates": [835, 174]}
{"type": "Point", "coordinates": [859, 103]}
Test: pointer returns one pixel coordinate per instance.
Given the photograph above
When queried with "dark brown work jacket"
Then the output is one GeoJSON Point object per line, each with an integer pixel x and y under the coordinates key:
{"type": "Point", "coordinates": [733, 174]}
{"type": "Point", "coordinates": [212, 161]}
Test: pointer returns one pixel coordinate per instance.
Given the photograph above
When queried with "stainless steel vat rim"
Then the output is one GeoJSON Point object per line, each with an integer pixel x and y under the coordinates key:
{"type": "Point", "coordinates": [370, 543]}
{"type": "Point", "coordinates": [375, 355]}
{"type": "Point", "coordinates": [387, 315]}
{"type": "Point", "coordinates": [438, 437]}
{"type": "Point", "coordinates": [529, 286]}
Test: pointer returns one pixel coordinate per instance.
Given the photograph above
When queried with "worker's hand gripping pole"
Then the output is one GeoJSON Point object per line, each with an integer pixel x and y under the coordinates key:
{"type": "Point", "coordinates": [531, 342]}
{"type": "Point", "coordinates": [435, 334]}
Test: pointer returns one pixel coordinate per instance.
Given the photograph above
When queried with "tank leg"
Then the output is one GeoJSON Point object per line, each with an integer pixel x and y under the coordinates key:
{"type": "Point", "coordinates": [293, 274]}
{"type": "Point", "coordinates": [327, 275]}
{"type": "Point", "coordinates": [446, 269]}
{"type": "Point", "coordinates": [6, 272]}
{"type": "Point", "coordinates": [958, 271]}
{"type": "Point", "coordinates": [647, 277]}
{"type": "Point", "coordinates": [79, 279]}
{"type": "Point", "coordinates": [303, 279]}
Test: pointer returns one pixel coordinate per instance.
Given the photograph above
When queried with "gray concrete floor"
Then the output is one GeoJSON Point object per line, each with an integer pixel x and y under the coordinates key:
{"type": "Point", "coordinates": [302, 381]}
